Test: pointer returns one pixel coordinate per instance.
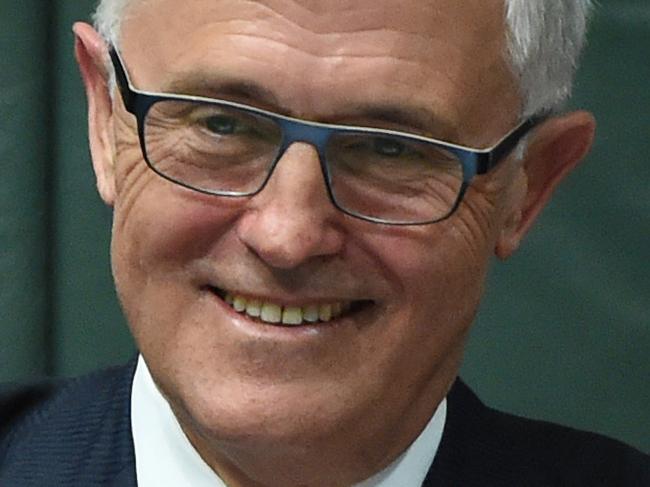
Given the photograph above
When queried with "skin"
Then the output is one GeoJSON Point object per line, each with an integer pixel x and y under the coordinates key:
{"type": "Point", "coordinates": [322, 405]}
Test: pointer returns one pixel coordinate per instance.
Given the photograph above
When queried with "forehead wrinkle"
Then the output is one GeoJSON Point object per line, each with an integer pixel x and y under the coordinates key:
{"type": "Point", "coordinates": [204, 81]}
{"type": "Point", "coordinates": [321, 23]}
{"type": "Point", "coordinates": [382, 41]}
{"type": "Point", "coordinates": [335, 21]}
{"type": "Point", "coordinates": [403, 31]}
{"type": "Point", "coordinates": [412, 113]}
{"type": "Point", "coordinates": [399, 41]}
{"type": "Point", "coordinates": [336, 52]}
{"type": "Point", "coordinates": [401, 21]}
{"type": "Point", "coordinates": [302, 50]}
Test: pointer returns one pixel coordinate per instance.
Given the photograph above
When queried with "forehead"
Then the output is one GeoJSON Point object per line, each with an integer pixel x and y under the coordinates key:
{"type": "Point", "coordinates": [409, 15]}
{"type": "Point", "coordinates": [307, 51]}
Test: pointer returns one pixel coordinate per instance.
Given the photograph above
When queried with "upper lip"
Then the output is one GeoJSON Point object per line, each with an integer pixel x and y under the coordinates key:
{"type": "Point", "coordinates": [288, 299]}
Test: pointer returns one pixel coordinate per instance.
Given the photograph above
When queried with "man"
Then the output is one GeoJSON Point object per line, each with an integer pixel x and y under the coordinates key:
{"type": "Point", "coordinates": [306, 196]}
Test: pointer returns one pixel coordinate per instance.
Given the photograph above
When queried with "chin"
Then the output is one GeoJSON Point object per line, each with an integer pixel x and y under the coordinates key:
{"type": "Point", "coordinates": [263, 413]}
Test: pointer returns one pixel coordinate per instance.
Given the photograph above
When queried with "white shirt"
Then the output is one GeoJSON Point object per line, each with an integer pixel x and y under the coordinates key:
{"type": "Point", "coordinates": [164, 457]}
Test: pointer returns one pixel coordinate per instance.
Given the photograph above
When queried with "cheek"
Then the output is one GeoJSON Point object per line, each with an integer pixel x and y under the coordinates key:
{"type": "Point", "coordinates": [446, 295]}
{"type": "Point", "coordinates": [441, 275]}
{"type": "Point", "coordinates": [163, 225]}
{"type": "Point", "coordinates": [159, 231]}
{"type": "Point", "coordinates": [448, 262]}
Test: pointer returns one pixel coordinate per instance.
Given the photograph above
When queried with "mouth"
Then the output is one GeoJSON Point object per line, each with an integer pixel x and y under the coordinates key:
{"type": "Point", "coordinates": [288, 315]}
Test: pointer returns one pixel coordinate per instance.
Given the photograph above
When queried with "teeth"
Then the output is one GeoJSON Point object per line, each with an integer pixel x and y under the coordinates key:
{"type": "Point", "coordinates": [310, 313]}
{"type": "Point", "coordinates": [239, 304]}
{"type": "Point", "coordinates": [325, 312]}
{"type": "Point", "coordinates": [289, 315]}
{"type": "Point", "coordinates": [271, 313]}
{"type": "Point", "coordinates": [254, 308]}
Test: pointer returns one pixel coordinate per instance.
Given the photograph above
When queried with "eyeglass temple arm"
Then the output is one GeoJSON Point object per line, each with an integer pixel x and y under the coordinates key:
{"type": "Point", "coordinates": [122, 80]}
{"type": "Point", "coordinates": [506, 146]}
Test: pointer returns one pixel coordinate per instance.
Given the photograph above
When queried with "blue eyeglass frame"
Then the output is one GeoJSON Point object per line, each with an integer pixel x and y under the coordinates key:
{"type": "Point", "coordinates": [474, 161]}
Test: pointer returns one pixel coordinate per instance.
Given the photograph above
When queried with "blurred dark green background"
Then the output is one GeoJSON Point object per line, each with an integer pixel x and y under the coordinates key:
{"type": "Point", "coordinates": [564, 332]}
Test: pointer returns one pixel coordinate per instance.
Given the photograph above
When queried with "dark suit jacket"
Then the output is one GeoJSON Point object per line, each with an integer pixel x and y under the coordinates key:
{"type": "Point", "coordinates": [78, 433]}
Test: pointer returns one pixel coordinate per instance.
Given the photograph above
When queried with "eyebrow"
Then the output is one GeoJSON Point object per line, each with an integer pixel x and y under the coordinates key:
{"type": "Point", "coordinates": [418, 119]}
{"type": "Point", "coordinates": [198, 84]}
{"type": "Point", "coordinates": [397, 116]}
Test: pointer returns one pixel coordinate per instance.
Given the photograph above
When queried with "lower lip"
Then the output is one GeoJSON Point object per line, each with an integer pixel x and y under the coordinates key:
{"type": "Point", "coordinates": [258, 327]}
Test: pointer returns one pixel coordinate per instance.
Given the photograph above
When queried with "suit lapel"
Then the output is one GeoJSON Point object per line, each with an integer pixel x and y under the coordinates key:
{"type": "Point", "coordinates": [464, 412]}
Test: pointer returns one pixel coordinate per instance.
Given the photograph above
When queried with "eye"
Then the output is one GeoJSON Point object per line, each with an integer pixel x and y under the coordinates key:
{"type": "Point", "coordinates": [222, 124]}
{"type": "Point", "coordinates": [388, 147]}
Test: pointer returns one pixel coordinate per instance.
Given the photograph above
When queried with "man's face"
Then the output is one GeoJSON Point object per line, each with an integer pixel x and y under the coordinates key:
{"type": "Point", "coordinates": [235, 379]}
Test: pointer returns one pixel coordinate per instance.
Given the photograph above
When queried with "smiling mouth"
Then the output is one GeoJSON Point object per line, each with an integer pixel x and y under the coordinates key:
{"type": "Point", "coordinates": [278, 314]}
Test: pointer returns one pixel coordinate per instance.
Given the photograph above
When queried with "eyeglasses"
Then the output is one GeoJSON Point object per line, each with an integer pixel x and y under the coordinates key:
{"type": "Point", "coordinates": [229, 149]}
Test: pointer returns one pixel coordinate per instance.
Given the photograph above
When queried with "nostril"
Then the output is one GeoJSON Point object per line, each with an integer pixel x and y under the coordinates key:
{"type": "Point", "coordinates": [286, 239]}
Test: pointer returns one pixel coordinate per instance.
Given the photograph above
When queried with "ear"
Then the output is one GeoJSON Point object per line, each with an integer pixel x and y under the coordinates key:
{"type": "Point", "coordinates": [555, 148]}
{"type": "Point", "coordinates": [91, 54]}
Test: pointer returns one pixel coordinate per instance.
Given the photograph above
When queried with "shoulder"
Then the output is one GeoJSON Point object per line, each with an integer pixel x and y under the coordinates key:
{"type": "Point", "coordinates": [17, 400]}
{"type": "Point", "coordinates": [46, 428]}
{"type": "Point", "coordinates": [508, 449]}
{"type": "Point", "coordinates": [32, 406]}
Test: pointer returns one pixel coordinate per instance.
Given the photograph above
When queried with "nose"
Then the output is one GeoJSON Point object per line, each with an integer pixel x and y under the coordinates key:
{"type": "Point", "coordinates": [292, 220]}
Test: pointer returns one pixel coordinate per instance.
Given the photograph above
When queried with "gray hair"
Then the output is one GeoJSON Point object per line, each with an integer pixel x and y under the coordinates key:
{"type": "Point", "coordinates": [108, 18]}
{"type": "Point", "coordinates": [545, 38]}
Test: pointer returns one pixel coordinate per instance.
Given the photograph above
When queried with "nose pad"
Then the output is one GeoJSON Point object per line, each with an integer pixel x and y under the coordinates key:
{"type": "Point", "coordinates": [292, 219]}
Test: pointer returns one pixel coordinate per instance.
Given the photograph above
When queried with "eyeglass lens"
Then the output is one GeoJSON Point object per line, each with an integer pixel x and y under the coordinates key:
{"type": "Point", "coordinates": [222, 149]}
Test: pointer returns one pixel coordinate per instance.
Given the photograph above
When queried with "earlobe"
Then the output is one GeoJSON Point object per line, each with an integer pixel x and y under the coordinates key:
{"type": "Point", "coordinates": [555, 148]}
{"type": "Point", "coordinates": [90, 51]}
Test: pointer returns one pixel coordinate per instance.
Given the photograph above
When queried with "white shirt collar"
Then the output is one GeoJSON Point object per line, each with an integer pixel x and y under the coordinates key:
{"type": "Point", "coordinates": [164, 457]}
